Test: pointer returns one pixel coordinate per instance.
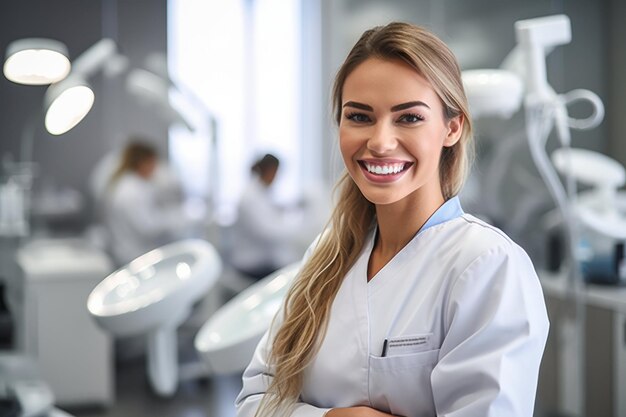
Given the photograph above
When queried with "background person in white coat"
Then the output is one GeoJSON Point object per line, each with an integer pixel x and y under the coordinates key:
{"type": "Point", "coordinates": [406, 305]}
{"type": "Point", "coordinates": [137, 218]}
{"type": "Point", "coordinates": [263, 234]}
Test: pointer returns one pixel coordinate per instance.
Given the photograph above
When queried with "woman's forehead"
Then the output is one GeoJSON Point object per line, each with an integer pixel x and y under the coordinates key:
{"type": "Point", "coordinates": [386, 80]}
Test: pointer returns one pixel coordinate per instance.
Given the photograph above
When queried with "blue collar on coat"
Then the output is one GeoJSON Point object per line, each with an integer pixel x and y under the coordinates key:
{"type": "Point", "coordinates": [449, 210]}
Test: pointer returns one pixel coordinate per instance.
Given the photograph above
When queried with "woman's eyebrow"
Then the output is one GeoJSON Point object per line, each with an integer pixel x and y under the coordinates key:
{"type": "Point", "coordinates": [408, 105]}
{"type": "Point", "coordinates": [358, 105]}
{"type": "Point", "coordinates": [397, 107]}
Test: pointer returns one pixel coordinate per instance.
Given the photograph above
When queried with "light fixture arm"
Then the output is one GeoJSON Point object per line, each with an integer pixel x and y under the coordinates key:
{"type": "Point", "coordinates": [95, 58]}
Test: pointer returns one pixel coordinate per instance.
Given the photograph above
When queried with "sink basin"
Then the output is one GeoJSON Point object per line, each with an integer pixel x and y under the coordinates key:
{"type": "Point", "coordinates": [153, 295]}
{"type": "Point", "coordinates": [155, 288]}
{"type": "Point", "coordinates": [227, 340]}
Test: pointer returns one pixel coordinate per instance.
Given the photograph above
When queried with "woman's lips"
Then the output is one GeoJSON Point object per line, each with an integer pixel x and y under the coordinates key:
{"type": "Point", "coordinates": [384, 171]}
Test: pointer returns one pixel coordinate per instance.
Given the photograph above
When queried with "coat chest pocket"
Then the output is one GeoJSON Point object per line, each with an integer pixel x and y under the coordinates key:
{"type": "Point", "coordinates": [401, 384]}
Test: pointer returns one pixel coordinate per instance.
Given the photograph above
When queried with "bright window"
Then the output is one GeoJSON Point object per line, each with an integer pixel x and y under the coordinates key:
{"type": "Point", "coordinates": [241, 58]}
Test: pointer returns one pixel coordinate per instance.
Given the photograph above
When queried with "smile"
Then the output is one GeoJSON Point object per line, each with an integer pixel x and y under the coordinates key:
{"type": "Point", "coordinates": [382, 168]}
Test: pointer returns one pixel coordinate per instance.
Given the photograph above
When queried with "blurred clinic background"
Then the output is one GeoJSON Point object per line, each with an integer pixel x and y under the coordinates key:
{"type": "Point", "coordinates": [164, 164]}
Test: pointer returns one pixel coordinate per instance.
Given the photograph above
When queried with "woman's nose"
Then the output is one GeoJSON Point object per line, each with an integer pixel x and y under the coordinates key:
{"type": "Point", "coordinates": [382, 140]}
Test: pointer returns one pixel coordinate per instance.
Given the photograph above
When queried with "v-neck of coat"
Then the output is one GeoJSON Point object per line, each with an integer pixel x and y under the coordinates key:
{"type": "Point", "coordinates": [449, 210]}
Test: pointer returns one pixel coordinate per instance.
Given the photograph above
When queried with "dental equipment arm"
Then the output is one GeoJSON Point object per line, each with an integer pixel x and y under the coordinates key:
{"type": "Point", "coordinates": [536, 38]}
{"type": "Point", "coordinates": [546, 110]}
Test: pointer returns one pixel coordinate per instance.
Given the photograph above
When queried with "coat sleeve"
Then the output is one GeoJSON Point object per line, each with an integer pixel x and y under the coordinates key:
{"type": "Point", "coordinates": [258, 375]}
{"type": "Point", "coordinates": [496, 329]}
{"type": "Point", "coordinates": [257, 378]}
{"type": "Point", "coordinates": [146, 218]}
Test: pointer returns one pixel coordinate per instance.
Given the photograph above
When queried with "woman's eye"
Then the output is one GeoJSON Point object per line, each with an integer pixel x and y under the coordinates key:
{"type": "Point", "coordinates": [410, 118]}
{"type": "Point", "coordinates": [358, 117]}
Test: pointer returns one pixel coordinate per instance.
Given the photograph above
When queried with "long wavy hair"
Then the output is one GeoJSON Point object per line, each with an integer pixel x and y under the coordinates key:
{"type": "Point", "coordinates": [309, 300]}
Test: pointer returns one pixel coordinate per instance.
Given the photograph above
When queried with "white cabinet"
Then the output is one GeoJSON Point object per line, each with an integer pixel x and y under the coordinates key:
{"type": "Point", "coordinates": [47, 296]}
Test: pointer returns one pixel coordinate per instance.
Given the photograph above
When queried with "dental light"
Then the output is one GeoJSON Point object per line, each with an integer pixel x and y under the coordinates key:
{"type": "Point", "coordinates": [36, 61]}
{"type": "Point", "coordinates": [68, 102]}
{"type": "Point", "coordinates": [69, 98]}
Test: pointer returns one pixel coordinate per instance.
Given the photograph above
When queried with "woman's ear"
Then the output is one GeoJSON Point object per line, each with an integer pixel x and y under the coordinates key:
{"type": "Point", "coordinates": [455, 128]}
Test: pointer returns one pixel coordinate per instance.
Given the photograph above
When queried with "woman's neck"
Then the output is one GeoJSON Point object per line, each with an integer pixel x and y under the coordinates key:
{"type": "Point", "coordinates": [398, 223]}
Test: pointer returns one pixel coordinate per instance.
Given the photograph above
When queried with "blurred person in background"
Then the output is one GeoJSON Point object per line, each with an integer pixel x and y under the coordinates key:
{"type": "Point", "coordinates": [263, 233]}
{"type": "Point", "coordinates": [138, 218]}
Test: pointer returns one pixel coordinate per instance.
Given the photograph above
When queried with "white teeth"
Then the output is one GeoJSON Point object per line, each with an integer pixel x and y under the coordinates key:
{"type": "Point", "coordinates": [384, 169]}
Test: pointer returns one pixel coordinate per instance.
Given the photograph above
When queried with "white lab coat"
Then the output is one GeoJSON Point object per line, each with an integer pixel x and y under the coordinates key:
{"type": "Point", "coordinates": [136, 221]}
{"type": "Point", "coordinates": [464, 315]}
{"type": "Point", "coordinates": [263, 234]}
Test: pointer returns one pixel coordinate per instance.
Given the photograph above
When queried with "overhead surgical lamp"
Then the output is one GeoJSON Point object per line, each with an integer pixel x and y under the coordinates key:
{"type": "Point", "coordinates": [36, 61]}
{"type": "Point", "coordinates": [66, 104]}
{"type": "Point", "coordinates": [67, 101]}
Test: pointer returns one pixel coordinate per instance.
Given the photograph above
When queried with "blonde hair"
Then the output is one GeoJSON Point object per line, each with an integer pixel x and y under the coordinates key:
{"type": "Point", "coordinates": [309, 300]}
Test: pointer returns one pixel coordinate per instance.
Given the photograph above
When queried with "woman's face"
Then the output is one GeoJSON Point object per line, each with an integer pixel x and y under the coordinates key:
{"type": "Point", "coordinates": [392, 131]}
{"type": "Point", "coordinates": [147, 167]}
{"type": "Point", "coordinates": [269, 174]}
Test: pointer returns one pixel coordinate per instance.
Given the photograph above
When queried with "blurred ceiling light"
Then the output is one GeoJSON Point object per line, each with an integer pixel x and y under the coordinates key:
{"type": "Point", "coordinates": [69, 97]}
{"type": "Point", "coordinates": [36, 61]}
{"type": "Point", "coordinates": [66, 104]}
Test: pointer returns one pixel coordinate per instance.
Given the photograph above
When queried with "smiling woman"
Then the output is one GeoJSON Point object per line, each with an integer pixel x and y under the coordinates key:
{"type": "Point", "coordinates": [392, 131]}
{"type": "Point", "coordinates": [405, 305]}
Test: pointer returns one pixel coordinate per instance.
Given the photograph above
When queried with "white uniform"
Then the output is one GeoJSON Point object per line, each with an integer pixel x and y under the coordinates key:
{"type": "Point", "coordinates": [262, 233]}
{"type": "Point", "coordinates": [462, 311]}
{"type": "Point", "coordinates": [135, 220]}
